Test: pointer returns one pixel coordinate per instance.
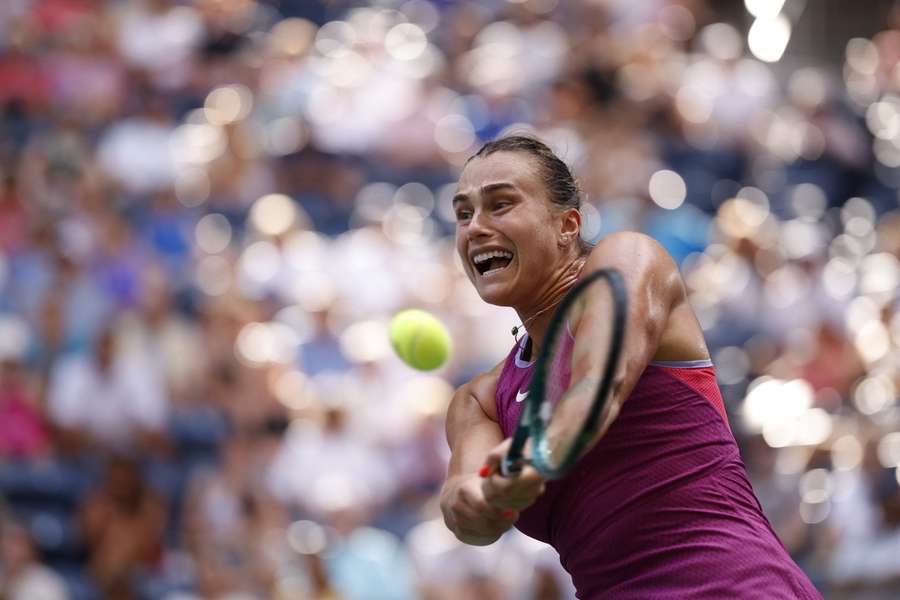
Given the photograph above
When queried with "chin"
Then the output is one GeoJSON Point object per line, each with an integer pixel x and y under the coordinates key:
{"type": "Point", "coordinates": [495, 294]}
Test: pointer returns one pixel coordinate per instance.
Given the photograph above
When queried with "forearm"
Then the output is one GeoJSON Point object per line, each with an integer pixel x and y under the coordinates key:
{"type": "Point", "coordinates": [471, 432]}
{"type": "Point", "coordinates": [460, 495]}
{"type": "Point", "coordinates": [471, 435]}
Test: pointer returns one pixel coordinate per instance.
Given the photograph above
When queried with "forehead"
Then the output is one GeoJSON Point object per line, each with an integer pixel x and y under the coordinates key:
{"type": "Point", "coordinates": [516, 168]}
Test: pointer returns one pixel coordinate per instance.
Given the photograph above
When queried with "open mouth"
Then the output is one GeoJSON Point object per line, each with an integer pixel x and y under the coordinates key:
{"type": "Point", "coordinates": [494, 261]}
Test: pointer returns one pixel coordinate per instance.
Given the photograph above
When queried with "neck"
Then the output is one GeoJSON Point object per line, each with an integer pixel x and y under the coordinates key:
{"type": "Point", "coordinates": [536, 316]}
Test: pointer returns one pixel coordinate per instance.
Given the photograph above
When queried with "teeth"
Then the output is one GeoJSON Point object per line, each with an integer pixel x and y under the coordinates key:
{"type": "Point", "coordinates": [480, 258]}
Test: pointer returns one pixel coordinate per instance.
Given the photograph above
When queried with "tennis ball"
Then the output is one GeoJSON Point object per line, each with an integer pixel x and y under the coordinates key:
{"type": "Point", "coordinates": [420, 339]}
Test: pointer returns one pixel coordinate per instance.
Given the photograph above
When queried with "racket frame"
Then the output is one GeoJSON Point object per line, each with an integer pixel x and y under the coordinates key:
{"type": "Point", "coordinates": [531, 425]}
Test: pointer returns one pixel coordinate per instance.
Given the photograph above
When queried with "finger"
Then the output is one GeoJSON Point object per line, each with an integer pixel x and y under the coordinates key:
{"type": "Point", "coordinates": [483, 517]}
{"type": "Point", "coordinates": [530, 473]}
{"type": "Point", "coordinates": [474, 505]}
{"type": "Point", "coordinates": [491, 467]}
{"type": "Point", "coordinates": [527, 479]}
{"type": "Point", "coordinates": [494, 459]}
{"type": "Point", "coordinates": [518, 492]}
{"type": "Point", "coordinates": [497, 491]}
{"type": "Point", "coordinates": [489, 490]}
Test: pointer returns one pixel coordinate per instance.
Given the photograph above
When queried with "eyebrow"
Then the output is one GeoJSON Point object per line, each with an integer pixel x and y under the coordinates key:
{"type": "Point", "coordinates": [485, 189]}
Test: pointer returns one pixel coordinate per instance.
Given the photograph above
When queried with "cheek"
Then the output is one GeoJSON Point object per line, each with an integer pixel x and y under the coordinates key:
{"type": "Point", "coordinates": [536, 241]}
{"type": "Point", "coordinates": [461, 256]}
{"type": "Point", "coordinates": [459, 239]}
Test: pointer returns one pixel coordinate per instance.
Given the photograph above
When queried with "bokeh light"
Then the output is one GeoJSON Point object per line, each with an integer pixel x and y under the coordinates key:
{"type": "Point", "coordinates": [889, 450]}
{"type": "Point", "coordinates": [874, 394]}
{"type": "Point", "coordinates": [667, 189]}
{"type": "Point", "coordinates": [366, 341]}
{"type": "Point", "coordinates": [405, 41]}
{"type": "Point", "coordinates": [273, 214]}
{"type": "Point", "coordinates": [228, 104]}
{"type": "Point", "coordinates": [213, 233]}
{"type": "Point", "coordinates": [291, 389]}
{"type": "Point", "coordinates": [292, 36]}
{"type": "Point", "coordinates": [14, 336]}
{"type": "Point", "coordinates": [846, 453]}
{"type": "Point", "coordinates": [307, 537]}
{"type": "Point", "coordinates": [454, 133]}
{"type": "Point", "coordinates": [768, 38]}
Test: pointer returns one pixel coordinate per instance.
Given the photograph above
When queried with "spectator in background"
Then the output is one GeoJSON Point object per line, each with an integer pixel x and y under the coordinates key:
{"type": "Point", "coordinates": [159, 332]}
{"type": "Point", "coordinates": [247, 565]}
{"type": "Point", "coordinates": [24, 432]}
{"type": "Point", "coordinates": [50, 339]}
{"type": "Point", "coordinates": [216, 502]}
{"type": "Point", "coordinates": [22, 574]}
{"type": "Point", "coordinates": [13, 218]}
{"type": "Point", "coordinates": [233, 527]}
{"type": "Point", "coordinates": [123, 523]}
{"type": "Point", "coordinates": [834, 363]}
{"type": "Point", "coordinates": [108, 401]}
{"type": "Point", "coordinates": [865, 533]}
{"type": "Point", "coordinates": [341, 481]}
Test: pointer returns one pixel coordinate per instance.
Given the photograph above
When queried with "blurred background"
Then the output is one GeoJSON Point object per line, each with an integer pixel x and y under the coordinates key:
{"type": "Point", "coordinates": [210, 209]}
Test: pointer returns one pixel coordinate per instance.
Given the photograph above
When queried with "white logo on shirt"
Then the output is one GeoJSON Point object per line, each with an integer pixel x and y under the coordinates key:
{"type": "Point", "coordinates": [521, 396]}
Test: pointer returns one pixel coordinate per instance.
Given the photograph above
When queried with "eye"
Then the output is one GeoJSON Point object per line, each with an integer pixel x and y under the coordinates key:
{"type": "Point", "coordinates": [463, 215]}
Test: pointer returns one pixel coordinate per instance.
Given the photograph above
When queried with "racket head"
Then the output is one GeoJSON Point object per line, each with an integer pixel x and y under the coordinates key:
{"type": "Point", "coordinates": [562, 416]}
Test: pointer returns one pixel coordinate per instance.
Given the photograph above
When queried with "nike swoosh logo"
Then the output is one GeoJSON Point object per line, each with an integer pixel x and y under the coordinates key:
{"type": "Point", "coordinates": [521, 396]}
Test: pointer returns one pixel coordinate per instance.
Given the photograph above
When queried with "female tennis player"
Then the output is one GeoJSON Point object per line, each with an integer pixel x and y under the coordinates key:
{"type": "Point", "coordinates": [659, 505]}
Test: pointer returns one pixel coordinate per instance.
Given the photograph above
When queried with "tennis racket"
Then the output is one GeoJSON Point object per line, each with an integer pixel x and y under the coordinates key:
{"type": "Point", "coordinates": [561, 417]}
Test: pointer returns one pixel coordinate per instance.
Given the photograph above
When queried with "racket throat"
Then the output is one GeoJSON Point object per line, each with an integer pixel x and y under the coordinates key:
{"type": "Point", "coordinates": [546, 410]}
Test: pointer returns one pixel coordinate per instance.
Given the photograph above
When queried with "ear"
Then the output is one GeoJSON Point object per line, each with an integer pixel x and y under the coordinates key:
{"type": "Point", "coordinates": [570, 226]}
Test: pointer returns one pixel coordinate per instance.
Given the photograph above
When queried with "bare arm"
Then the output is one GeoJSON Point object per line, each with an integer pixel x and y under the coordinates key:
{"type": "Point", "coordinates": [472, 432]}
{"type": "Point", "coordinates": [655, 290]}
{"type": "Point", "coordinates": [472, 428]}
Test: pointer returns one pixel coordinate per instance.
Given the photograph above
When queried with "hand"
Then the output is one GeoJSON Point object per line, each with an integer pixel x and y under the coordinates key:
{"type": "Point", "coordinates": [516, 492]}
{"type": "Point", "coordinates": [469, 517]}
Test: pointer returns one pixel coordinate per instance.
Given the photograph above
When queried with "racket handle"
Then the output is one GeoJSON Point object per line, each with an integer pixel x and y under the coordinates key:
{"type": "Point", "coordinates": [510, 467]}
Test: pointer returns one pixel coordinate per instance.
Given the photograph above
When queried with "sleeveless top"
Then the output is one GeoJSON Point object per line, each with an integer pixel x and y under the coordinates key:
{"type": "Point", "coordinates": [661, 507]}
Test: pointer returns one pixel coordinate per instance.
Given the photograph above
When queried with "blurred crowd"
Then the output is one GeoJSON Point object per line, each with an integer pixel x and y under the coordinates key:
{"type": "Point", "coordinates": [210, 209]}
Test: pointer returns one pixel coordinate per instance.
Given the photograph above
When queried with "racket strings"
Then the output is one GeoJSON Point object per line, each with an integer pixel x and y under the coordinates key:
{"type": "Point", "coordinates": [561, 415]}
{"type": "Point", "coordinates": [567, 403]}
{"type": "Point", "coordinates": [557, 381]}
{"type": "Point", "coordinates": [560, 369]}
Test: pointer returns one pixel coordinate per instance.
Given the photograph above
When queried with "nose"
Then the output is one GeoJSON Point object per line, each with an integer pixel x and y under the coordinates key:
{"type": "Point", "coordinates": [478, 225]}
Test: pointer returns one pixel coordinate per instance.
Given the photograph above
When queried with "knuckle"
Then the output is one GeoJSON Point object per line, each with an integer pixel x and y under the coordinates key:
{"type": "Point", "coordinates": [466, 495]}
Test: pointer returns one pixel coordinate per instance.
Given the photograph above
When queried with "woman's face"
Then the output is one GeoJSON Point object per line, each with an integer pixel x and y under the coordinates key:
{"type": "Point", "coordinates": [507, 233]}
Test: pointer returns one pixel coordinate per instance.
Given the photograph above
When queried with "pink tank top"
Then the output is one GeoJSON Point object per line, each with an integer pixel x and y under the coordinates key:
{"type": "Point", "coordinates": [661, 507]}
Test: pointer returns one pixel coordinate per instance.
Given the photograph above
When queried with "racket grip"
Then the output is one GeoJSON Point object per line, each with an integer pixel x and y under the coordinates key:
{"type": "Point", "coordinates": [510, 467]}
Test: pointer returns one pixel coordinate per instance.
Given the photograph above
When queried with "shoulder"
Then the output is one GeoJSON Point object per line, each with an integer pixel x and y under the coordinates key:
{"type": "Point", "coordinates": [657, 296]}
{"type": "Point", "coordinates": [481, 390]}
{"type": "Point", "coordinates": [633, 247]}
{"type": "Point", "coordinates": [640, 258]}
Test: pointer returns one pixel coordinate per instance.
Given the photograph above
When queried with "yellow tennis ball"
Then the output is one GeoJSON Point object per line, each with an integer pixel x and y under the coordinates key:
{"type": "Point", "coordinates": [420, 339]}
